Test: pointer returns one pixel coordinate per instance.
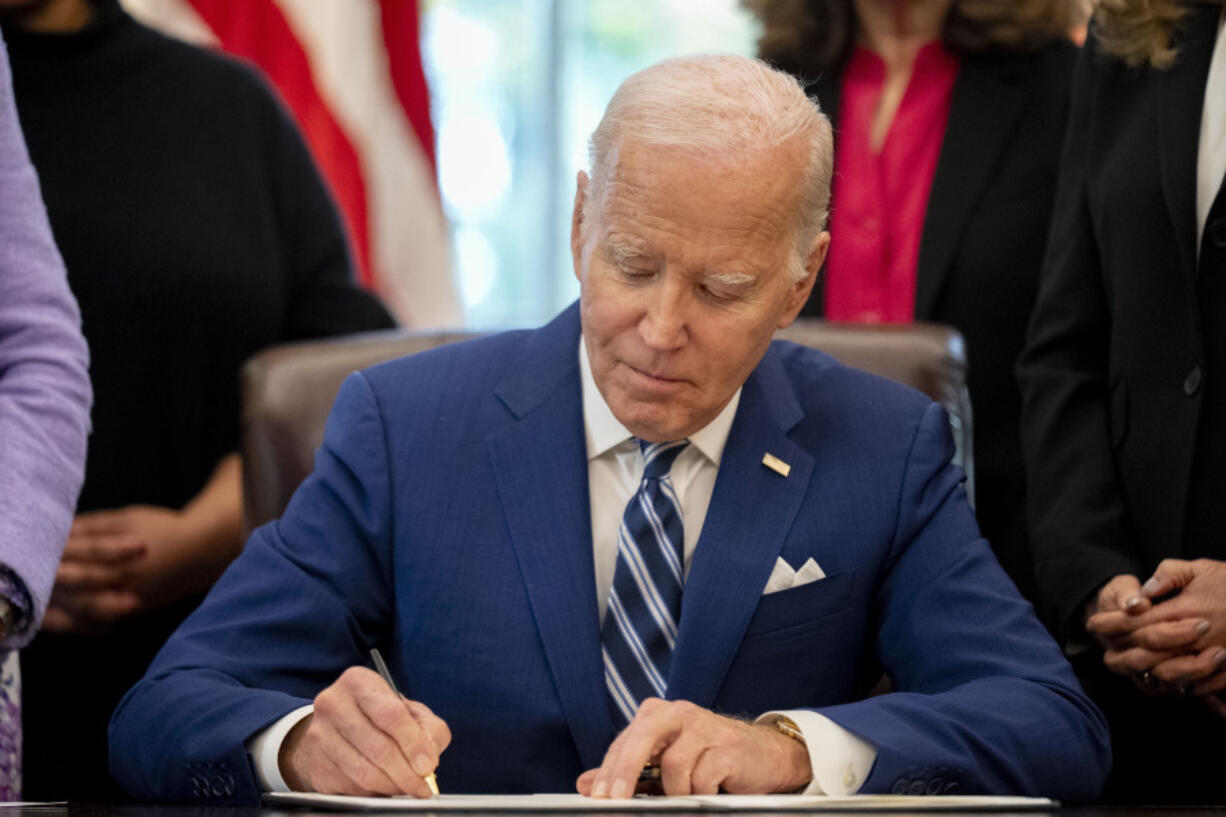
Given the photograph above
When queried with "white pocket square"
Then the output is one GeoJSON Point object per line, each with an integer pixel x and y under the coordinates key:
{"type": "Point", "coordinates": [783, 577]}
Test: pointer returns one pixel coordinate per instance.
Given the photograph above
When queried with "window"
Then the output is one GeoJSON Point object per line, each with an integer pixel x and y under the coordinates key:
{"type": "Point", "coordinates": [517, 86]}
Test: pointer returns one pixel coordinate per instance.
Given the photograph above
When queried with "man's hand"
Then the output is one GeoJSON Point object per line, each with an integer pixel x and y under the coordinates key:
{"type": "Point", "coordinates": [363, 739]}
{"type": "Point", "coordinates": [698, 752]}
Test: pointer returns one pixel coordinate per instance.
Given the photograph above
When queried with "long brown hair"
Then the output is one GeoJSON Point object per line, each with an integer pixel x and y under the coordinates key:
{"type": "Point", "coordinates": [809, 37]}
{"type": "Point", "coordinates": [1139, 32]}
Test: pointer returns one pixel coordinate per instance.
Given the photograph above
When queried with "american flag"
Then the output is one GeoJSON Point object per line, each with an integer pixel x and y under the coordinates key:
{"type": "Point", "coordinates": [351, 73]}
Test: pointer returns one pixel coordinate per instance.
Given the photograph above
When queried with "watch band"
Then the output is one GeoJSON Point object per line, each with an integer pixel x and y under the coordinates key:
{"type": "Point", "coordinates": [788, 727]}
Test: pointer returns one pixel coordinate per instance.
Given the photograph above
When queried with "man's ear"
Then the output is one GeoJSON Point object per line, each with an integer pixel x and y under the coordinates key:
{"type": "Point", "coordinates": [577, 227]}
{"type": "Point", "coordinates": [804, 287]}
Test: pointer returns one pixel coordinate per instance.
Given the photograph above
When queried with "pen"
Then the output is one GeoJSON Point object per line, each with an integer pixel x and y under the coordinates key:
{"type": "Point", "coordinates": [651, 781]}
{"type": "Point", "coordinates": [381, 667]}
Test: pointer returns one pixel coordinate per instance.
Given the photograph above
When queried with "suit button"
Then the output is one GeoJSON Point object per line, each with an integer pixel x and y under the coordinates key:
{"type": "Point", "coordinates": [1215, 231]}
{"type": "Point", "coordinates": [917, 787]}
{"type": "Point", "coordinates": [1191, 383]}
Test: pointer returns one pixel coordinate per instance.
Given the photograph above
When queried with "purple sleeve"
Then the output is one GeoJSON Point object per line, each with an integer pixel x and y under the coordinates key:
{"type": "Point", "coordinates": [45, 393]}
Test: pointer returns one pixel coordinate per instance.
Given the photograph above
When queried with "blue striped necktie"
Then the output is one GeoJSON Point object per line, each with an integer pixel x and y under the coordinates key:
{"type": "Point", "coordinates": [640, 624]}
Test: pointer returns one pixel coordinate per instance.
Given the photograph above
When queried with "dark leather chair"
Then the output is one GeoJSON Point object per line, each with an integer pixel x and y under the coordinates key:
{"type": "Point", "coordinates": [288, 390]}
{"type": "Point", "coordinates": [929, 357]}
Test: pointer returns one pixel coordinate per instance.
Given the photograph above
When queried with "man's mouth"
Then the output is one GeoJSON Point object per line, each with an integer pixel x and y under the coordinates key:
{"type": "Point", "coordinates": [661, 377]}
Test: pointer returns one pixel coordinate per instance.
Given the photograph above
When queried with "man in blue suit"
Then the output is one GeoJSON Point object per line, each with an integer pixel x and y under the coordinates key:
{"type": "Point", "coordinates": [641, 534]}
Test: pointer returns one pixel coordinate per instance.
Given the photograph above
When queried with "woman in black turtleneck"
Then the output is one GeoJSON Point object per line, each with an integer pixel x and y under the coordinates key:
{"type": "Point", "coordinates": [196, 231]}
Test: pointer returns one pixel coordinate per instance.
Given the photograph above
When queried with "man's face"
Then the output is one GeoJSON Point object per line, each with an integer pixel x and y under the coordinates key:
{"type": "Point", "coordinates": [683, 275]}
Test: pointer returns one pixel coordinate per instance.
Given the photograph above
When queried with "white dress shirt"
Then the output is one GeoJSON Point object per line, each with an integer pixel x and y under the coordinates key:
{"type": "Point", "coordinates": [615, 468]}
{"type": "Point", "coordinates": [1211, 157]}
{"type": "Point", "coordinates": [840, 760]}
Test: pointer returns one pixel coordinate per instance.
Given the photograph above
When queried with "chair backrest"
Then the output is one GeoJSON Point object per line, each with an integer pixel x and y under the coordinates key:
{"type": "Point", "coordinates": [288, 390]}
{"type": "Point", "coordinates": [287, 393]}
{"type": "Point", "coordinates": [929, 357]}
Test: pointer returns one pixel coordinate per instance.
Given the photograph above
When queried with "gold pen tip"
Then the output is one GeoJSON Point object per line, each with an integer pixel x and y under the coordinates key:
{"type": "Point", "coordinates": [432, 783]}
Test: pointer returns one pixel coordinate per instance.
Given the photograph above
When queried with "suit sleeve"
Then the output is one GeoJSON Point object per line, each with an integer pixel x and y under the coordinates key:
{"type": "Point", "coordinates": [985, 701]}
{"type": "Point", "coordinates": [307, 598]}
{"type": "Point", "coordinates": [1076, 510]}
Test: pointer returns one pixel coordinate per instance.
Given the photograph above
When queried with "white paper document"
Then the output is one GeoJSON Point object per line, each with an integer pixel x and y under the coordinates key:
{"type": "Point", "coordinates": [717, 802]}
{"type": "Point", "coordinates": [29, 804]}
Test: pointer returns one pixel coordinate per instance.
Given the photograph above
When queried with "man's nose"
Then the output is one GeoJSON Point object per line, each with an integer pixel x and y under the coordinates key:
{"type": "Point", "coordinates": [664, 325]}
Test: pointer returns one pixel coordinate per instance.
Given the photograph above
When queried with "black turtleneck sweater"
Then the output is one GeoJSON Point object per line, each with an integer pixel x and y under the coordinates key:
{"type": "Point", "coordinates": [196, 231]}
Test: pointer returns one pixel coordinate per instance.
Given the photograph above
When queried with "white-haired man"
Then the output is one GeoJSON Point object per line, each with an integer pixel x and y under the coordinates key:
{"type": "Point", "coordinates": [640, 534]}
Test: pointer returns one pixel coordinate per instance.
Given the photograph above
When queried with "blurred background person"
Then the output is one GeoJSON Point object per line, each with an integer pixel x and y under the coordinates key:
{"type": "Point", "coordinates": [44, 418]}
{"type": "Point", "coordinates": [949, 116]}
{"type": "Point", "coordinates": [196, 231]}
{"type": "Point", "coordinates": [351, 74]}
{"type": "Point", "coordinates": [1124, 416]}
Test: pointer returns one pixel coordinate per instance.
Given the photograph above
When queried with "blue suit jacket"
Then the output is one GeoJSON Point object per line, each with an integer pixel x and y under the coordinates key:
{"type": "Point", "coordinates": [448, 522]}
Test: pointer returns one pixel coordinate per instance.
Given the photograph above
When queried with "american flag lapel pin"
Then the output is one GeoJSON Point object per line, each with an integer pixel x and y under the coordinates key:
{"type": "Point", "coordinates": [777, 465]}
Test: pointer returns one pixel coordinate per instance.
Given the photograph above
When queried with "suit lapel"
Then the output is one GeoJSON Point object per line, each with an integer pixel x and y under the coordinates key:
{"type": "Point", "coordinates": [988, 99]}
{"type": "Point", "coordinates": [1181, 100]}
{"type": "Point", "coordinates": [751, 512]}
{"type": "Point", "coordinates": [541, 470]}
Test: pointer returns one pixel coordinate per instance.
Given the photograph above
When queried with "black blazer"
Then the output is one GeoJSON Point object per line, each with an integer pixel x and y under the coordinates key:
{"type": "Point", "coordinates": [1124, 411]}
{"type": "Point", "coordinates": [981, 250]}
{"type": "Point", "coordinates": [1120, 369]}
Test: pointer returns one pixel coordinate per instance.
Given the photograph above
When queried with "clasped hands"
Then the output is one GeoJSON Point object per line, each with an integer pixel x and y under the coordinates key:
{"type": "Point", "coordinates": [104, 573]}
{"type": "Point", "coordinates": [140, 557]}
{"type": "Point", "coordinates": [1169, 633]}
{"type": "Point", "coordinates": [362, 739]}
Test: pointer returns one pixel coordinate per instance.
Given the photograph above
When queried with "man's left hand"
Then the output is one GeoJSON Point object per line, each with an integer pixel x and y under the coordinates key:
{"type": "Point", "coordinates": [698, 752]}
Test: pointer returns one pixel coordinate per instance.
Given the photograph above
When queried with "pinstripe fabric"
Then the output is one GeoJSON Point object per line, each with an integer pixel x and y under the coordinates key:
{"type": "Point", "coordinates": [640, 626]}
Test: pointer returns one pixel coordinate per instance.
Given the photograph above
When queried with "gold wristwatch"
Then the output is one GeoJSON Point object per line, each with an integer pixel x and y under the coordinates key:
{"type": "Point", "coordinates": [788, 727]}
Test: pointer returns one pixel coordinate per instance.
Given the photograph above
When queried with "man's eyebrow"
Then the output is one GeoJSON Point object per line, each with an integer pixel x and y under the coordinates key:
{"type": "Point", "coordinates": [619, 249]}
{"type": "Point", "coordinates": [730, 279]}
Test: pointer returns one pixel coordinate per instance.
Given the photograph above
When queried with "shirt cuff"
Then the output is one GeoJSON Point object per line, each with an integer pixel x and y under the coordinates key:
{"type": "Point", "coordinates": [264, 747]}
{"type": "Point", "coordinates": [840, 760]}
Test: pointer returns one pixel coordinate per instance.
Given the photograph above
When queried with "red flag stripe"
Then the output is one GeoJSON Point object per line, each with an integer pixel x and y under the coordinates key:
{"type": "Point", "coordinates": [401, 36]}
{"type": "Point", "coordinates": [262, 34]}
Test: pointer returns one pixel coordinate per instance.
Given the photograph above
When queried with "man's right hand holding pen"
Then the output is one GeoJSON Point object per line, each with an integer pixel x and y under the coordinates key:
{"type": "Point", "coordinates": [364, 739]}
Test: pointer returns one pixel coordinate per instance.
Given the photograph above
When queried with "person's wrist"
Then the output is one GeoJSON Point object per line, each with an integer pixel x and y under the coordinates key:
{"type": "Point", "coordinates": [218, 535]}
{"type": "Point", "coordinates": [794, 762]}
{"type": "Point", "coordinates": [289, 755]}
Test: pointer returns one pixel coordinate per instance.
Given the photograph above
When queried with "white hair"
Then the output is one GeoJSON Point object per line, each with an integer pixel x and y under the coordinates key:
{"type": "Point", "coordinates": [719, 106]}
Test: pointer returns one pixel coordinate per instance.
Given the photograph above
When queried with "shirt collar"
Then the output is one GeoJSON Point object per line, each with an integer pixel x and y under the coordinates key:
{"type": "Point", "coordinates": [603, 431]}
